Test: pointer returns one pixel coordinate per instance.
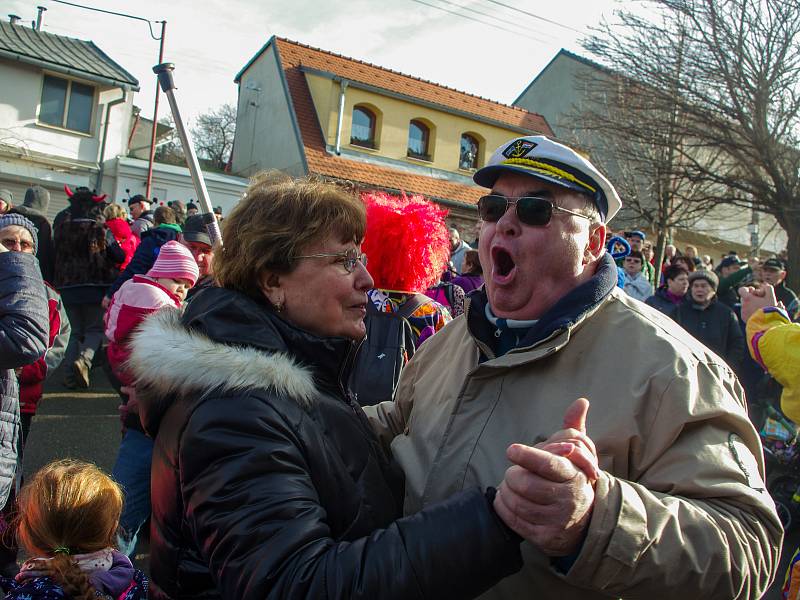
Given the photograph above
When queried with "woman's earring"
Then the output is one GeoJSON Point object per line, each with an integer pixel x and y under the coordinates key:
{"type": "Point", "coordinates": [278, 306]}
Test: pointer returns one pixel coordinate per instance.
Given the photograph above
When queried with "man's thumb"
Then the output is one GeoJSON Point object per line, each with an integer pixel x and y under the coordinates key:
{"type": "Point", "coordinates": [575, 417]}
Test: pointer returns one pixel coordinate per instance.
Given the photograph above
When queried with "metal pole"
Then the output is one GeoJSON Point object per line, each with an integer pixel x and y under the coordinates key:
{"type": "Point", "coordinates": [164, 72]}
{"type": "Point", "coordinates": [149, 184]}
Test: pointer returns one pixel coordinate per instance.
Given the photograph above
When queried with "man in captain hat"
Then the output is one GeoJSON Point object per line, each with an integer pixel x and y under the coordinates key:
{"type": "Point", "coordinates": [678, 508]}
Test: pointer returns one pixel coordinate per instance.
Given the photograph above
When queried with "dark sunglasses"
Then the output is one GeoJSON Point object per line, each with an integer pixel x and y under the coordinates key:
{"type": "Point", "coordinates": [531, 210]}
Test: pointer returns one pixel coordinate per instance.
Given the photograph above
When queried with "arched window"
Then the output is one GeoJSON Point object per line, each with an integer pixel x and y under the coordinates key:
{"type": "Point", "coordinates": [468, 154]}
{"type": "Point", "coordinates": [419, 136]}
{"type": "Point", "coordinates": [362, 130]}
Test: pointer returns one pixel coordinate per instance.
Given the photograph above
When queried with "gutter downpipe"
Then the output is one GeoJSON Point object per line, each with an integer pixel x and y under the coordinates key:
{"type": "Point", "coordinates": [99, 183]}
{"type": "Point", "coordinates": [343, 85]}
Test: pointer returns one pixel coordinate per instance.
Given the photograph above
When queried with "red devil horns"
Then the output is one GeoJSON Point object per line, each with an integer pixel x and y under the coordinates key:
{"type": "Point", "coordinates": [70, 193]}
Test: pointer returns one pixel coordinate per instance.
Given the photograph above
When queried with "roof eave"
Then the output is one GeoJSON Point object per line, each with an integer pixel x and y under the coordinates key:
{"type": "Point", "coordinates": [134, 87]}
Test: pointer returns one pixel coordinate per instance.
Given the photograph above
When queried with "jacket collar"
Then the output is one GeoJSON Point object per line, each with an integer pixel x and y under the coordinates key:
{"type": "Point", "coordinates": [565, 314]}
{"type": "Point", "coordinates": [226, 341]}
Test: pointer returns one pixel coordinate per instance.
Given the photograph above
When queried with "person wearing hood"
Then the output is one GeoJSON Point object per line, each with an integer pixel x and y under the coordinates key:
{"type": "Point", "coordinates": [34, 208]}
{"type": "Point", "coordinates": [711, 321]}
{"type": "Point", "coordinates": [118, 224]}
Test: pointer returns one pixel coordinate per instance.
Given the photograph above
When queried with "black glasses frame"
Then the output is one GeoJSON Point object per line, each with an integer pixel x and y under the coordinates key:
{"type": "Point", "coordinates": [531, 210]}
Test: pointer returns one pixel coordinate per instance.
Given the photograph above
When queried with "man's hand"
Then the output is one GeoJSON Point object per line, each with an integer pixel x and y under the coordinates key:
{"type": "Point", "coordinates": [105, 303]}
{"type": "Point", "coordinates": [754, 299]}
{"type": "Point", "coordinates": [547, 498]}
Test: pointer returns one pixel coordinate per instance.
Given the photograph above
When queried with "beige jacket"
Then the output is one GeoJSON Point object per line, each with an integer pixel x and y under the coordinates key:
{"type": "Point", "coordinates": [680, 510]}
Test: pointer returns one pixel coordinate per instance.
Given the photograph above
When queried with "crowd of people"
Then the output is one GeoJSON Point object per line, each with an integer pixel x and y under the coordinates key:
{"type": "Point", "coordinates": [348, 400]}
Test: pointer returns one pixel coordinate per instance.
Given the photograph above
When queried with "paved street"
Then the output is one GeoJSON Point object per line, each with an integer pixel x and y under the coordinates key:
{"type": "Point", "coordinates": [84, 424]}
{"type": "Point", "coordinates": [77, 424]}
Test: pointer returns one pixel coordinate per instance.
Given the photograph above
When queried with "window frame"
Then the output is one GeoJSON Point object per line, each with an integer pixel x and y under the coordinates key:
{"type": "Point", "coordinates": [372, 143]}
{"type": "Point", "coordinates": [65, 116]}
{"type": "Point", "coordinates": [428, 131]}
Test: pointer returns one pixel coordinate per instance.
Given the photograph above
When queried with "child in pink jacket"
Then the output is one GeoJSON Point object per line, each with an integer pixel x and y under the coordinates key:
{"type": "Point", "coordinates": [173, 274]}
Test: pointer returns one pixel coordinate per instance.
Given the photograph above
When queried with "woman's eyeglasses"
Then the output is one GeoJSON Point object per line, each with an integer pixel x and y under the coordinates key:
{"type": "Point", "coordinates": [531, 210]}
{"type": "Point", "coordinates": [349, 258]}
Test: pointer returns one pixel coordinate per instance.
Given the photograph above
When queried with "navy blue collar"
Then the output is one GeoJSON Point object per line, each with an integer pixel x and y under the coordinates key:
{"type": "Point", "coordinates": [562, 315]}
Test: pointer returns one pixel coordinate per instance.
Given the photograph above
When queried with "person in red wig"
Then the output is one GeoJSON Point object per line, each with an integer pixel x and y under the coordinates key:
{"type": "Point", "coordinates": [408, 247]}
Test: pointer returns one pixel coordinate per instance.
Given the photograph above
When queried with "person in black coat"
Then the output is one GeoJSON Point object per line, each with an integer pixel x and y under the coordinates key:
{"type": "Point", "coordinates": [267, 480]}
{"type": "Point", "coordinates": [672, 293]}
{"type": "Point", "coordinates": [711, 321]}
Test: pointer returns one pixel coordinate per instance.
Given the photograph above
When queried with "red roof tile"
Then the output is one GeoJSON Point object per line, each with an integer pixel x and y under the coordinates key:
{"type": "Point", "coordinates": [294, 56]}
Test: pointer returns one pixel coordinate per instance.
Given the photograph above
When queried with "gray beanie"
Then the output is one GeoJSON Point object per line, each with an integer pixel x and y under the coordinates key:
{"type": "Point", "coordinates": [15, 219]}
{"type": "Point", "coordinates": [709, 276]}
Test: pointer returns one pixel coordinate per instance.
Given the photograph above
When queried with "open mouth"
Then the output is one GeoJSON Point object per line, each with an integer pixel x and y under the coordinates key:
{"type": "Point", "coordinates": [503, 263]}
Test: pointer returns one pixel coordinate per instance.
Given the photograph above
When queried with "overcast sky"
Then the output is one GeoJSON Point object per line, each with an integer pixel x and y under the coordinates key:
{"type": "Point", "coordinates": [211, 40]}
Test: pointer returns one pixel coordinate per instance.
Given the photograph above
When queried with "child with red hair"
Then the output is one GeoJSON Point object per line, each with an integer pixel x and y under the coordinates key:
{"type": "Point", "coordinates": [408, 247]}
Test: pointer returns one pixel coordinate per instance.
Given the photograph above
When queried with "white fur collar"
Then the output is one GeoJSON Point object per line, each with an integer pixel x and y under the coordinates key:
{"type": "Point", "coordinates": [170, 359]}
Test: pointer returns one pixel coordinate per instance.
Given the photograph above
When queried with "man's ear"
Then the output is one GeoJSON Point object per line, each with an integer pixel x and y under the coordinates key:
{"type": "Point", "coordinates": [270, 285]}
{"type": "Point", "coordinates": [597, 243]}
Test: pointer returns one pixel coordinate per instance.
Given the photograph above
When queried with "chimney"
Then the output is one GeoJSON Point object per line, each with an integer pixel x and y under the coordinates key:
{"type": "Point", "coordinates": [13, 19]}
{"type": "Point", "coordinates": [41, 10]}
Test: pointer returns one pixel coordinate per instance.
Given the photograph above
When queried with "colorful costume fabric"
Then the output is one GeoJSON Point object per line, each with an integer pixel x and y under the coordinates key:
{"type": "Point", "coordinates": [425, 321]}
{"type": "Point", "coordinates": [774, 343]}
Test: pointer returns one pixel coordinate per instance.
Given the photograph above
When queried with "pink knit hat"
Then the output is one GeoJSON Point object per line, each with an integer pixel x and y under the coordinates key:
{"type": "Point", "coordinates": [175, 262]}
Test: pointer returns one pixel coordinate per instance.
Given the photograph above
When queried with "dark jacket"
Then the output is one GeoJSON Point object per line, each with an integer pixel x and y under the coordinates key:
{"type": "Point", "coordinates": [716, 326]}
{"type": "Point", "coordinates": [661, 301]}
{"type": "Point", "coordinates": [87, 254]}
{"type": "Point", "coordinates": [24, 330]}
{"type": "Point", "coordinates": [145, 256]}
{"type": "Point", "coordinates": [268, 482]}
{"type": "Point", "coordinates": [789, 299]}
{"type": "Point", "coordinates": [34, 207]}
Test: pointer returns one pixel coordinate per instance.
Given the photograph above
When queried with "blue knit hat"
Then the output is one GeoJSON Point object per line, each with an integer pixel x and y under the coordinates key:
{"type": "Point", "coordinates": [9, 219]}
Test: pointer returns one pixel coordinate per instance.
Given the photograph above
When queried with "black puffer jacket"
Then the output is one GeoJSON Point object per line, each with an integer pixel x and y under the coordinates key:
{"type": "Point", "coordinates": [267, 481]}
{"type": "Point", "coordinates": [716, 326]}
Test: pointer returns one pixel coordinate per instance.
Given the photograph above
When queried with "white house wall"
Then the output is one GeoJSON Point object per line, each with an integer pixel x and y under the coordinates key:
{"type": "Point", "coordinates": [20, 95]}
{"type": "Point", "coordinates": [171, 183]}
{"type": "Point", "coordinates": [265, 134]}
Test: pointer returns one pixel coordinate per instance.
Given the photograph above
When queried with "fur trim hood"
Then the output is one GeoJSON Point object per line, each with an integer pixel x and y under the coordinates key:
{"type": "Point", "coordinates": [168, 359]}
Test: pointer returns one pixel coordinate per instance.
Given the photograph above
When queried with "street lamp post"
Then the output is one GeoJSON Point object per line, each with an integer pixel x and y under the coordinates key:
{"type": "Point", "coordinates": [149, 184]}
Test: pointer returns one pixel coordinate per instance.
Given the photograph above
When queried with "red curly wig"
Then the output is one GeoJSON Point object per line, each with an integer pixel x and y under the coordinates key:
{"type": "Point", "coordinates": [407, 243]}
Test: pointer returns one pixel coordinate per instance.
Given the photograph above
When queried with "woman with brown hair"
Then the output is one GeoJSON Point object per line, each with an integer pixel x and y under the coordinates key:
{"type": "Point", "coordinates": [267, 481]}
{"type": "Point", "coordinates": [471, 277]}
{"type": "Point", "coordinates": [68, 517]}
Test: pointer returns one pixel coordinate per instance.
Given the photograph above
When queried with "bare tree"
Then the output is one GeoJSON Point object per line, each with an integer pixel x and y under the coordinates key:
{"type": "Point", "coordinates": [169, 149]}
{"type": "Point", "coordinates": [725, 76]}
{"type": "Point", "coordinates": [636, 130]}
{"type": "Point", "coordinates": [213, 134]}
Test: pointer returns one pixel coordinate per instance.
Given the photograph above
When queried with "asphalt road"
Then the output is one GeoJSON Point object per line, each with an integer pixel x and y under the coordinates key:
{"type": "Point", "coordinates": [81, 424]}
{"type": "Point", "coordinates": [84, 424]}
